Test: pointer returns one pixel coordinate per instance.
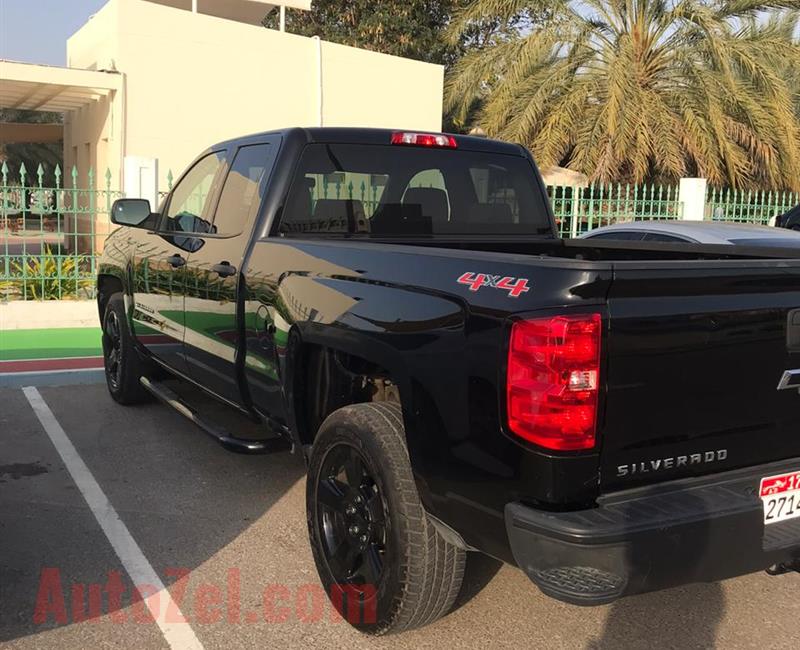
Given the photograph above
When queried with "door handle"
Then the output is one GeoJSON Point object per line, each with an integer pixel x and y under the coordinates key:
{"type": "Point", "coordinates": [224, 269]}
{"type": "Point", "coordinates": [176, 261]}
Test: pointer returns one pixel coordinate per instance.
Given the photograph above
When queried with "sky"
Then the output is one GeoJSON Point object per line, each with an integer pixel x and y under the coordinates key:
{"type": "Point", "coordinates": [36, 31]}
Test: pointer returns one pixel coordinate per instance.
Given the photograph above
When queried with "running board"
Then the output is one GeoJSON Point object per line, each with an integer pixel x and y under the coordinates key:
{"type": "Point", "coordinates": [230, 442]}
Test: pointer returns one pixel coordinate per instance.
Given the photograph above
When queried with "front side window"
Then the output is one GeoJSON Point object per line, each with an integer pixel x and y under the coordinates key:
{"type": "Point", "coordinates": [189, 203]}
{"type": "Point", "coordinates": [350, 189]}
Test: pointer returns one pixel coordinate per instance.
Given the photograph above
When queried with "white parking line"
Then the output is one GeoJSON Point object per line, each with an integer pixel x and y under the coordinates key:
{"type": "Point", "coordinates": [178, 635]}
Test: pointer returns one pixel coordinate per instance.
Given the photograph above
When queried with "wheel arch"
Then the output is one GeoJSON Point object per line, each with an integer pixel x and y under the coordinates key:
{"type": "Point", "coordinates": [365, 362]}
{"type": "Point", "coordinates": [318, 358]}
{"type": "Point", "coordinates": [107, 285]}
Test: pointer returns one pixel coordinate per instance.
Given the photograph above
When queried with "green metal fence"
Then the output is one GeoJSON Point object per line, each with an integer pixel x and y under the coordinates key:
{"type": "Point", "coordinates": [580, 209]}
{"type": "Point", "coordinates": [52, 225]}
{"type": "Point", "coordinates": [746, 206]}
{"type": "Point", "coordinates": [51, 228]}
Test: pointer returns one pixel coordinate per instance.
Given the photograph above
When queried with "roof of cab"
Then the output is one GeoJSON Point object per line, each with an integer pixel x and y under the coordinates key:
{"type": "Point", "coordinates": [353, 135]}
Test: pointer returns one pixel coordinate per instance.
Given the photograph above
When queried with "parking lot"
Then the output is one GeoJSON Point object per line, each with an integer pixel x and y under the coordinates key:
{"type": "Point", "coordinates": [226, 533]}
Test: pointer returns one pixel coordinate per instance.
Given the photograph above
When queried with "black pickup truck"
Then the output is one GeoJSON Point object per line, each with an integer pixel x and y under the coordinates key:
{"type": "Point", "coordinates": [613, 418]}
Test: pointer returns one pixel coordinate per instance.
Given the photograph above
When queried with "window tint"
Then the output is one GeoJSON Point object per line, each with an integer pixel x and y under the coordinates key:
{"type": "Point", "coordinates": [493, 188]}
{"type": "Point", "coordinates": [240, 196]}
{"type": "Point", "coordinates": [390, 190]}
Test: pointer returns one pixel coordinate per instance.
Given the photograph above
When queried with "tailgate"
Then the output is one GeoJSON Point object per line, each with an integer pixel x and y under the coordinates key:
{"type": "Point", "coordinates": [695, 358]}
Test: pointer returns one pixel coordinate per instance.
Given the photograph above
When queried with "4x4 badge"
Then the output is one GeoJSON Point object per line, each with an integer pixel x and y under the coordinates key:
{"type": "Point", "coordinates": [515, 286]}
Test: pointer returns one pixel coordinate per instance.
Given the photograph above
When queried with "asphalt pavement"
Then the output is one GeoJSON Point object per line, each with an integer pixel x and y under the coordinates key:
{"type": "Point", "coordinates": [226, 534]}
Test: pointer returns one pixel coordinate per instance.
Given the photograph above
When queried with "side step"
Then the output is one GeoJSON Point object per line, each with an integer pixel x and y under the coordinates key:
{"type": "Point", "coordinates": [230, 442]}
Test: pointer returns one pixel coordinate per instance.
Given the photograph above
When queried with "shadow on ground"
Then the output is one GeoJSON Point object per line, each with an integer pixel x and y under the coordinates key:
{"type": "Point", "coordinates": [680, 618]}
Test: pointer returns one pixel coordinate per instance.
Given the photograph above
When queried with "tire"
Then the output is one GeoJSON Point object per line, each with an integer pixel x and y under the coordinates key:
{"type": "Point", "coordinates": [405, 573]}
{"type": "Point", "coordinates": [122, 363]}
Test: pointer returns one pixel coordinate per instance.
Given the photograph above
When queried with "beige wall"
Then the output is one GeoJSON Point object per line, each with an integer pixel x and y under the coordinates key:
{"type": "Point", "coordinates": [192, 80]}
{"type": "Point", "coordinates": [364, 88]}
{"type": "Point", "coordinates": [94, 135]}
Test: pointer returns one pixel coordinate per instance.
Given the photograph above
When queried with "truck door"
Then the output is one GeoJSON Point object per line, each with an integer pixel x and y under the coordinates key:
{"type": "Point", "coordinates": [160, 261]}
{"type": "Point", "coordinates": [212, 330]}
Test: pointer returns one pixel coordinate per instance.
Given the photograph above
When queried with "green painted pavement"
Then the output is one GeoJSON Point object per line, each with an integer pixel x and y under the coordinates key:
{"type": "Point", "coordinates": [57, 343]}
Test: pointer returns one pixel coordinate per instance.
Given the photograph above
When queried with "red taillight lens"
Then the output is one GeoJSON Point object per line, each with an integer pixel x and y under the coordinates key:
{"type": "Point", "coordinates": [553, 380]}
{"type": "Point", "coordinates": [425, 139]}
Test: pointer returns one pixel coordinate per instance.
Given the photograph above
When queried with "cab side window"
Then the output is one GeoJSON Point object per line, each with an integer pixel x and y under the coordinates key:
{"type": "Point", "coordinates": [241, 194]}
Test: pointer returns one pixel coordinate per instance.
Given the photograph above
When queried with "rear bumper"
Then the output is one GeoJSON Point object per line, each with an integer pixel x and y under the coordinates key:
{"type": "Point", "coordinates": [645, 539]}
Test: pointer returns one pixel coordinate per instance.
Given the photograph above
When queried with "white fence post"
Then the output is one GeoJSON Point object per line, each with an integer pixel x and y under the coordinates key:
{"type": "Point", "coordinates": [692, 196]}
{"type": "Point", "coordinates": [141, 179]}
{"type": "Point", "coordinates": [574, 216]}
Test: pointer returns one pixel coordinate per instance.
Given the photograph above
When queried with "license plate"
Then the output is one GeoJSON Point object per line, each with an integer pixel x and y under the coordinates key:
{"type": "Point", "coordinates": [781, 497]}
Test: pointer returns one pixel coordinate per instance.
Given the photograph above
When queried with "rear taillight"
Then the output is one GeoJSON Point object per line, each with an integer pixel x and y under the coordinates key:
{"type": "Point", "coordinates": [553, 380]}
{"type": "Point", "coordinates": [424, 139]}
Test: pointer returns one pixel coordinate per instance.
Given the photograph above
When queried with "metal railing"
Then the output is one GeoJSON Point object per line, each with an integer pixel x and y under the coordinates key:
{"type": "Point", "coordinates": [51, 229]}
{"type": "Point", "coordinates": [580, 209]}
{"type": "Point", "coordinates": [52, 225]}
{"type": "Point", "coordinates": [746, 206]}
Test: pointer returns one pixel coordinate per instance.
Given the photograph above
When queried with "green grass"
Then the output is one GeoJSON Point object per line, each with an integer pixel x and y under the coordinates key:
{"type": "Point", "coordinates": [56, 343]}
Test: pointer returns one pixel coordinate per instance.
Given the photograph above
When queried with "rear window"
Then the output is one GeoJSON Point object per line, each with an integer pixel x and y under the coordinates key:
{"type": "Point", "coordinates": [380, 190]}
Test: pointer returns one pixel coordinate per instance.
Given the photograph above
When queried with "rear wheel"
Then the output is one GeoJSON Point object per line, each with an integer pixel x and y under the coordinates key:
{"type": "Point", "coordinates": [379, 556]}
{"type": "Point", "coordinates": [123, 366]}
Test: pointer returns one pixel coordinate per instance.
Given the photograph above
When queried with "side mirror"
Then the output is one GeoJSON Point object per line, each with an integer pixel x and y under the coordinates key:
{"type": "Point", "coordinates": [131, 212]}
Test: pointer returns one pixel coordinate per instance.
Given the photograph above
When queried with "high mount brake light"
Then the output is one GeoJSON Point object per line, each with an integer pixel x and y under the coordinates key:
{"type": "Point", "coordinates": [553, 382]}
{"type": "Point", "coordinates": [424, 140]}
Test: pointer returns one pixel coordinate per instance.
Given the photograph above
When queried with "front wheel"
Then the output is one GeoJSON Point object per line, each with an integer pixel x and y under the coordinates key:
{"type": "Point", "coordinates": [123, 366]}
{"type": "Point", "coordinates": [379, 556]}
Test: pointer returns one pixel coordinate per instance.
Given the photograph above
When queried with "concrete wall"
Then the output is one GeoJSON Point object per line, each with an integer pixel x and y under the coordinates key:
{"type": "Point", "coordinates": [94, 135]}
{"type": "Point", "coordinates": [192, 79]}
{"type": "Point", "coordinates": [362, 88]}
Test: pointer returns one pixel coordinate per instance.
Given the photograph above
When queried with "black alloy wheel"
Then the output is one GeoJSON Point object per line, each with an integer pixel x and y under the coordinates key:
{"type": "Point", "coordinates": [112, 350]}
{"type": "Point", "coordinates": [351, 517]}
{"type": "Point", "coordinates": [380, 557]}
{"type": "Point", "coordinates": [123, 366]}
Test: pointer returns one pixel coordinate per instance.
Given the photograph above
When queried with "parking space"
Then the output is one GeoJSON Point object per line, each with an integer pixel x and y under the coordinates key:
{"type": "Point", "coordinates": [227, 534]}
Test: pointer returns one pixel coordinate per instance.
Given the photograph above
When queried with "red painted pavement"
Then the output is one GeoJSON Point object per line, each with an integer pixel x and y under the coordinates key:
{"type": "Point", "coordinates": [48, 365]}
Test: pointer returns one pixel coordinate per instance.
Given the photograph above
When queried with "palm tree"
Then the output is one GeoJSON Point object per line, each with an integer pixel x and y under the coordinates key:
{"type": "Point", "coordinates": [641, 89]}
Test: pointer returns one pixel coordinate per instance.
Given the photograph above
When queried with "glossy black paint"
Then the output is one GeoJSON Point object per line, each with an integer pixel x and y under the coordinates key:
{"type": "Point", "coordinates": [671, 314]}
{"type": "Point", "coordinates": [721, 338]}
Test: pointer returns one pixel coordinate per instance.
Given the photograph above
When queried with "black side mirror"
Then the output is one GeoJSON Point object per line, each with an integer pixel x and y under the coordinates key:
{"type": "Point", "coordinates": [131, 212]}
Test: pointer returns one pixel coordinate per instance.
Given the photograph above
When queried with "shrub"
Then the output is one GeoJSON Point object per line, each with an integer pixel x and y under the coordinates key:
{"type": "Point", "coordinates": [47, 276]}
